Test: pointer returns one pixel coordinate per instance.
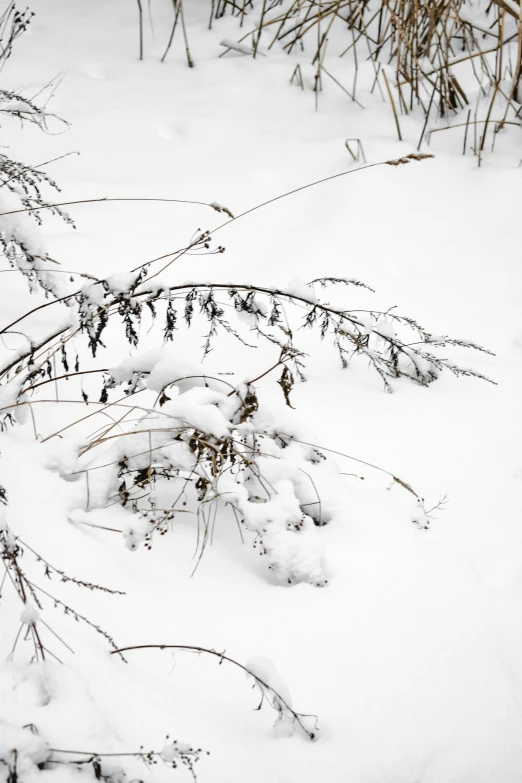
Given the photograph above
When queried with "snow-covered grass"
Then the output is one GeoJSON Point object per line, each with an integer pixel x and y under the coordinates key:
{"type": "Point", "coordinates": [411, 655]}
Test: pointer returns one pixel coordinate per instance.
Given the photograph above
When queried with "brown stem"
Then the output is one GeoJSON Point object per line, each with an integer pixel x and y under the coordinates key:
{"type": "Point", "coordinates": [61, 377]}
{"type": "Point", "coordinates": [191, 648]}
{"type": "Point", "coordinates": [249, 383]}
{"type": "Point", "coordinates": [105, 198]}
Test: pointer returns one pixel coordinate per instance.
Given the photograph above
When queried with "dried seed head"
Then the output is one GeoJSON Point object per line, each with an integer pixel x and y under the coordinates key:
{"type": "Point", "coordinates": [408, 158]}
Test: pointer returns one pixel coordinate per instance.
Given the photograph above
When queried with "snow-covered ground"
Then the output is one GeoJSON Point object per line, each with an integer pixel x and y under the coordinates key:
{"type": "Point", "coordinates": [411, 656]}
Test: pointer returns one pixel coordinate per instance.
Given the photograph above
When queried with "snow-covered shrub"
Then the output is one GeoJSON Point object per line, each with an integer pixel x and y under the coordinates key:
{"type": "Point", "coordinates": [28, 692]}
{"type": "Point", "coordinates": [196, 442]}
{"type": "Point", "coordinates": [25, 188]}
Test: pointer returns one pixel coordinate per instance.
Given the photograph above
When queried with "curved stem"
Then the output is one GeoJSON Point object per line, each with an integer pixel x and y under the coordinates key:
{"type": "Point", "coordinates": [222, 657]}
{"type": "Point", "coordinates": [105, 198]}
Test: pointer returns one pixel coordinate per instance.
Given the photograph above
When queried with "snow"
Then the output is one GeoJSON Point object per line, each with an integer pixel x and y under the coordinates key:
{"type": "Point", "coordinates": [30, 615]}
{"type": "Point", "coordinates": [385, 329]}
{"type": "Point", "coordinates": [410, 654]}
{"type": "Point", "coordinates": [173, 750]}
{"type": "Point", "coordinates": [122, 282]}
{"type": "Point", "coordinates": [238, 47]}
{"type": "Point", "coordinates": [298, 287]}
{"type": "Point", "coordinates": [266, 670]}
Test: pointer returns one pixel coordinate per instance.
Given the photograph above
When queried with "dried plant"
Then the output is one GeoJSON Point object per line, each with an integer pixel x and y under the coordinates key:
{"type": "Point", "coordinates": [13, 24]}
{"type": "Point", "coordinates": [195, 442]}
{"type": "Point", "coordinates": [422, 53]}
{"type": "Point", "coordinates": [35, 754]}
{"type": "Point", "coordinates": [285, 712]}
{"type": "Point", "coordinates": [430, 48]}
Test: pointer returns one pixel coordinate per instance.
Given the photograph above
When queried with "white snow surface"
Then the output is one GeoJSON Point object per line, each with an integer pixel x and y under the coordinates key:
{"type": "Point", "coordinates": [411, 655]}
